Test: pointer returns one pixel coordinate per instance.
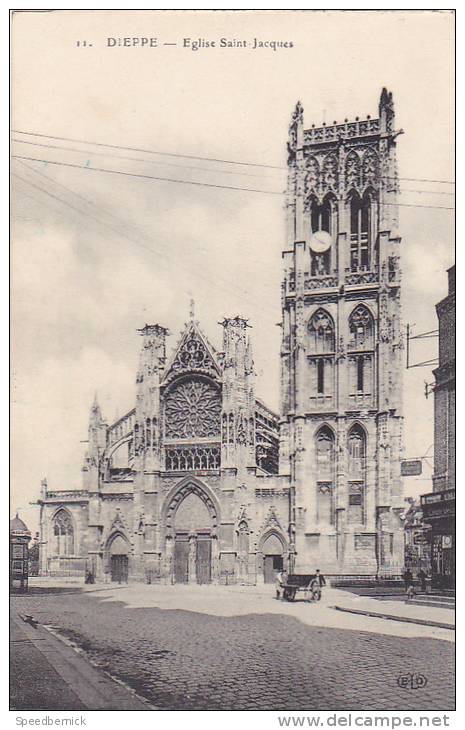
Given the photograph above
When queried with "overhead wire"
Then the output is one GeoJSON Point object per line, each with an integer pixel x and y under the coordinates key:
{"type": "Point", "coordinates": [218, 282]}
{"type": "Point", "coordinates": [151, 152]}
{"type": "Point", "coordinates": [135, 159]}
{"type": "Point", "coordinates": [197, 157]}
{"type": "Point", "coordinates": [208, 170]}
{"type": "Point", "coordinates": [197, 182]}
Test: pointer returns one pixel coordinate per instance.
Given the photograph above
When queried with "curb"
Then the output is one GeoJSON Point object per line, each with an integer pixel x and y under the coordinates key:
{"type": "Point", "coordinates": [82, 654]}
{"type": "Point", "coordinates": [95, 688]}
{"type": "Point", "coordinates": [404, 619]}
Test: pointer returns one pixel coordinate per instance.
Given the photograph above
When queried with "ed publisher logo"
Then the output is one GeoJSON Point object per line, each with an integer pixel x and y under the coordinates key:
{"type": "Point", "coordinates": [412, 680]}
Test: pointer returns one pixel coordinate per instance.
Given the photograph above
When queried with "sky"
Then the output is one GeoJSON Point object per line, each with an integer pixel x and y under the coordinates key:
{"type": "Point", "coordinates": [96, 255]}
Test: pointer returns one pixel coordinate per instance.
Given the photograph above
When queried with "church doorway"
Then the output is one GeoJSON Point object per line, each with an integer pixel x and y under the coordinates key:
{"type": "Point", "coordinates": [181, 559]}
{"type": "Point", "coordinates": [273, 559]}
{"type": "Point", "coordinates": [203, 563]}
{"type": "Point", "coordinates": [119, 560]}
{"type": "Point", "coordinates": [193, 542]}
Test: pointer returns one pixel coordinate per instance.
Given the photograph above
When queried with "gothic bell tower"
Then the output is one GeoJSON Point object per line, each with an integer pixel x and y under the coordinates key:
{"type": "Point", "coordinates": [341, 369]}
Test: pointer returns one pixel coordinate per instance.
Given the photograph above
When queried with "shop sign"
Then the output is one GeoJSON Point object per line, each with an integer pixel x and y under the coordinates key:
{"type": "Point", "coordinates": [410, 467]}
{"type": "Point", "coordinates": [447, 541]}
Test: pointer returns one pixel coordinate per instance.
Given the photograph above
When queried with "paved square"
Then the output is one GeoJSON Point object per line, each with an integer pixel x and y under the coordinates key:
{"type": "Point", "coordinates": [175, 648]}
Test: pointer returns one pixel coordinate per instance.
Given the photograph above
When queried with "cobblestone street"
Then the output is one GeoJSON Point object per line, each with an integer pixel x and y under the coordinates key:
{"type": "Point", "coordinates": [267, 659]}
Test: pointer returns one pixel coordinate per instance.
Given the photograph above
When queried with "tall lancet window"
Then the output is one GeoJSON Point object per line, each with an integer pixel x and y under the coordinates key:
{"type": "Point", "coordinates": [360, 232]}
{"type": "Point", "coordinates": [321, 354]}
{"type": "Point", "coordinates": [357, 474]}
{"type": "Point", "coordinates": [322, 218]}
{"type": "Point", "coordinates": [361, 356]}
{"type": "Point", "coordinates": [325, 467]}
{"type": "Point", "coordinates": [63, 533]}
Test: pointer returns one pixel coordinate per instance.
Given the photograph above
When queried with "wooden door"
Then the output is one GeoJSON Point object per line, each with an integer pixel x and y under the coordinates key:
{"type": "Point", "coordinates": [204, 560]}
{"type": "Point", "coordinates": [119, 568]}
{"type": "Point", "coordinates": [268, 571]}
{"type": "Point", "coordinates": [181, 561]}
{"type": "Point", "coordinates": [272, 565]}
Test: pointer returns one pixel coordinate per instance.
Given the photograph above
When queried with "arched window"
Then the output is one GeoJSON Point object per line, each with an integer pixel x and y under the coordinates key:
{"type": "Point", "coordinates": [357, 448]}
{"type": "Point", "coordinates": [361, 328]}
{"type": "Point", "coordinates": [322, 218]}
{"type": "Point", "coordinates": [357, 469]}
{"type": "Point", "coordinates": [325, 454]}
{"type": "Point", "coordinates": [325, 466]}
{"type": "Point", "coordinates": [243, 538]}
{"type": "Point", "coordinates": [63, 532]}
{"type": "Point", "coordinates": [321, 331]}
{"type": "Point", "coordinates": [322, 343]}
{"type": "Point", "coordinates": [360, 232]}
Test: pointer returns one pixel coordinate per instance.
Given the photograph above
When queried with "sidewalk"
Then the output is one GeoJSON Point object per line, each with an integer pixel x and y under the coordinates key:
{"type": "Point", "coordinates": [397, 610]}
{"type": "Point", "coordinates": [47, 674]}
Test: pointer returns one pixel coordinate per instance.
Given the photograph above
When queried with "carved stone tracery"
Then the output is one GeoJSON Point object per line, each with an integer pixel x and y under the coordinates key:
{"type": "Point", "coordinates": [193, 409]}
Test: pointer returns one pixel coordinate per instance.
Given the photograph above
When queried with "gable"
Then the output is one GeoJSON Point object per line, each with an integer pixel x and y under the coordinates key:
{"type": "Point", "coordinates": [193, 355]}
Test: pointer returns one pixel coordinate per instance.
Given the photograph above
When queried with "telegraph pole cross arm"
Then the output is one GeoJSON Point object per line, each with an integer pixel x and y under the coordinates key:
{"type": "Point", "coordinates": [422, 336]}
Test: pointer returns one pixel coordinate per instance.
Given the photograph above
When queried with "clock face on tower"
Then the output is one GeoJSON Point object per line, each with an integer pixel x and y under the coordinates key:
{"type": "Point", "coordinates": [320, 241]}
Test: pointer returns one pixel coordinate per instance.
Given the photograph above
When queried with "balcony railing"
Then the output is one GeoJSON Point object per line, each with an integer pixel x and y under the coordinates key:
{"type": "Point", "coordinates": [323, 281]}
{"type": "Point", "coordinates": [347, 130]}
{"type": "Point", "coordinates": [321, 401]}
{"type": "Point", "coordinates": [361, 275]}
{"type": "Point", "coordinates": [361, 399]}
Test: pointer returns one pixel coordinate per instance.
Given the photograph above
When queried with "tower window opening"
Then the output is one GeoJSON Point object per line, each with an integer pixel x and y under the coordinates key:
{"type": "Point", "coordinates": [321, 331]}
{"type": "Point", "coordinates": [320, 264]}
{"type": "Point", "coordinates": [360, 366]}
{"type": "Point", "coordinates": [321, 218]}
{"type": "Point", "coordinates": [321, 376]}
{"type": "Point", "coordinates": [360, 223]}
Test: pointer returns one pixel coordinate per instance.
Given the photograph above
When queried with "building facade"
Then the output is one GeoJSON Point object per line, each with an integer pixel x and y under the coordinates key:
{"type": "Point", "coordinates": [201, 481]}
{"type": "Point", "coordinates": [184, 487]}
{"type": "Point", "coordinates": [439, 506]}
{"type": "Point", "coordinates": [341, 408]}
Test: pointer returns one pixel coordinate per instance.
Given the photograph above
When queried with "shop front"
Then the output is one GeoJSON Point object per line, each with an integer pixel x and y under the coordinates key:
{"type": "Point", "coordinates": [439, 512]}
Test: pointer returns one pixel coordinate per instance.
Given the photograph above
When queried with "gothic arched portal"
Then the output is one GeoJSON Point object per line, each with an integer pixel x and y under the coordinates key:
{"type": "Point", "coordinates": [191, 522]}
{"type": "Point", "coordinates": [119, 549]}
{"type": "Point", "coordinates": [272, 549]}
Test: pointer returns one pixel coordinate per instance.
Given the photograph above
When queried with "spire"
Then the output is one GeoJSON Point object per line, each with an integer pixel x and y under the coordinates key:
{"type": "Point", "coordinates": [248, 364]}
{"type": "Point", "coordinates": [297, 114]}
{"type": "Point", "coordinates": [95, 412]}
{"type": "Point", "coordinates": [192, 310]}
{"type": "Point", "coordinates": [386, 111]}
{"type": "Point", "coordinates": [296, 128]}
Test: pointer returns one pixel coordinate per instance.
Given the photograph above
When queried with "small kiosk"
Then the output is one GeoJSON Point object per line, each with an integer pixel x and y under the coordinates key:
{"type": "Point", "coordinates": [19, 554]}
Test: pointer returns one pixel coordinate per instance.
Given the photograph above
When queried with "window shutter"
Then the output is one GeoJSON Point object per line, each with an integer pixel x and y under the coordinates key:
{"type": "Point", "coordinates": [313, 378]}
{"type": "Point", "coordinates": [329, 376]}
{"type": "Point", "coordinates": [369, 376]}
{"type": "Point", "coordinates": [352, 375]}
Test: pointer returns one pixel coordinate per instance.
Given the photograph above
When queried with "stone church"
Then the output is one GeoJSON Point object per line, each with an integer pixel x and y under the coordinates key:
{"type": "Point", "coordinates": [201, 482]}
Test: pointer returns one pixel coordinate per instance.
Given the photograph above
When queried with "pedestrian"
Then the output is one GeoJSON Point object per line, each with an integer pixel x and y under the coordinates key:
{"type": "Point", "coordinates": [281, 580]}
{"type": "Point", "coordinates": [408, 583]}
{"type": "Point", "coordinates": [410, 591]}
{"type": "Point", "coordinates": [408, 578]}
{"type": "Point", "coordinates": [316, 584]}
{"type": "Point", "coordinates": [89, 577]}
{"type": "Point", "coordinates": [422, 578]}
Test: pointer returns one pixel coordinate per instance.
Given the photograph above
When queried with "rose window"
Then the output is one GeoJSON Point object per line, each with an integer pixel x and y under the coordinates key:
{"type": "Point", "coordinates": [193, 409]}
